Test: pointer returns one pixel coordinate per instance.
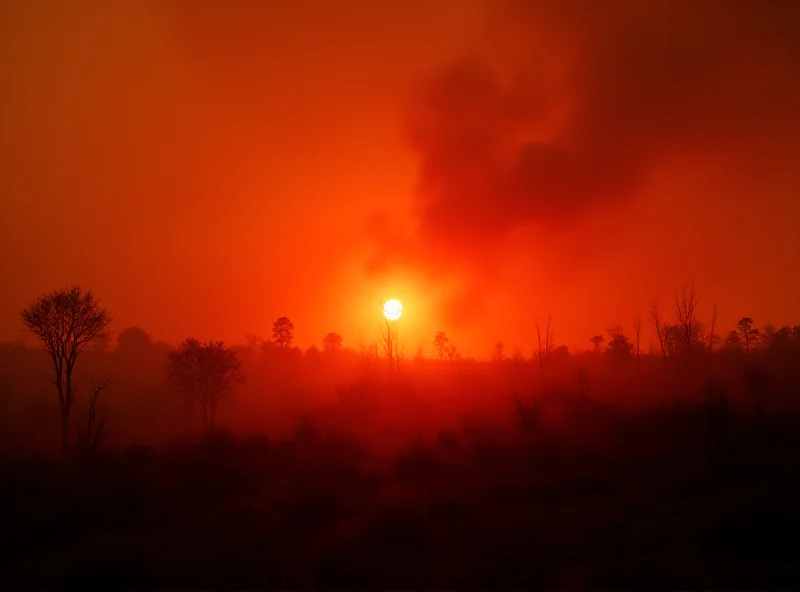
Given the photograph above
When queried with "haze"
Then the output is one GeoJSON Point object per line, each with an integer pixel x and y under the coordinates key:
{"type": "Point", "coordinates": [208, 167]}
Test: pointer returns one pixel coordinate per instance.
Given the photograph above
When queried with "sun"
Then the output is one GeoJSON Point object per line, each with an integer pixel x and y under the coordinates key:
{"type": "Point", "coordinates": [392, 309]}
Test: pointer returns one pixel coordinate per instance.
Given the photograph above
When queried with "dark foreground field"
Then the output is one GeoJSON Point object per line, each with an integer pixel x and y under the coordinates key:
{"type": "Point", "coordinates": [645, 505]}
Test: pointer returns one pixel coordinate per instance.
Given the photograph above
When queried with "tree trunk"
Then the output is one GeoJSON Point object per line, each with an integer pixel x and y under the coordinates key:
{"type": "Point", "coordinates": [64, 409]}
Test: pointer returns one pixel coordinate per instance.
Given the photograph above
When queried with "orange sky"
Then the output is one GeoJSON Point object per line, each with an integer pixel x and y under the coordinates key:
{"type": "Point", "coordinates": [206, 167]}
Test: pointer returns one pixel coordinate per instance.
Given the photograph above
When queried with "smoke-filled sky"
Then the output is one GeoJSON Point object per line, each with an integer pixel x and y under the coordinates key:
{"type": "Point", "coordinates": [205, 167]}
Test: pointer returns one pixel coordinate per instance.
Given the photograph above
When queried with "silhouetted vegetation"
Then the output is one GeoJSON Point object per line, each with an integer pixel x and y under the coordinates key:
{"type": "Point", "coordinates": [205, 372]}
{"type": "Point", "coordinates": [66, 322]}
{"type": "Point", "coordinates": [605, 468]}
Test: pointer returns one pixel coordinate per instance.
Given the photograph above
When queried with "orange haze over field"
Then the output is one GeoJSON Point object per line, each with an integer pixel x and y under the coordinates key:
{"type": "Point", "coordinates": [207, 167]}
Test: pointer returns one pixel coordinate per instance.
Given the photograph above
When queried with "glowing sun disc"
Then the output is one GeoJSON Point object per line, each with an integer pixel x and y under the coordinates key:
{"type": "Point", "coordinates": [392, 309]}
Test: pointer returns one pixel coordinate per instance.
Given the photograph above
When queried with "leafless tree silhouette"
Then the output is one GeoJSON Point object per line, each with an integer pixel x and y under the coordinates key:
{"type": "Point", "coordinates": [66, 321]}
{"type": "Point", "coordinates": [389, 344]}
{"type": "Point", "coordinates": [713, 328]}
{"type": "Point", "coordinates": [688, 326]}
{"type": "Point", "coordinates": [544, 344]}
{"type": "Point", "coordinates": [637, 332]}
{"type": "Point", "coordinates": [92, 430]}
{"type": "Point", "coordinates": [658, 325]}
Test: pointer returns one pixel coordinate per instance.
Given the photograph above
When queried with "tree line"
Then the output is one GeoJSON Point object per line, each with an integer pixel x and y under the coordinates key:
{"type": "Point", "coordinates": [67, 321]}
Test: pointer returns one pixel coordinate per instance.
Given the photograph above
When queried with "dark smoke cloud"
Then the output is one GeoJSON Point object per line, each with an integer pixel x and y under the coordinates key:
{"type": "Point", "coordinates": [600, 94]}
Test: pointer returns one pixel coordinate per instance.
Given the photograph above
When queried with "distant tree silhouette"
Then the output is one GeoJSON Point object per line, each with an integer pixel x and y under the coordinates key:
{"type": "Point", "coordinates": [102, 343]}
{"type": "Point", "coordinates": [747, 332]}
{"type": "Point", "coordinates": [637, 333]}
{"type": "Point", "coordinates": [597, 341]}
{"type": "Point", "coordinates": [332, 342]}
{"type": "Point", "coordinates": [369, 355]}
{"type": "Point", "coordinates": [92, 430]}
{"type": "Point", "coordinates": [205, 372]}
{"type": "Point", "coordinates": [66, 321]}
{"type": "Point", "coordinates": [283, 332]}
{"type": "Point", "coordinates": [687, 337]}
{"type": "Point", "coordinates": [712, 337]}
{"type": "Point", "coordinates": [560, 354]}
{"type": "Point", "coordinates": [689, 332]}
{"type": "Point", "coordinates": [658, 325]}
{"type": "Point", "coordinates": [389, 343]}
{"type": "Point", "coordinates": [517, 356]}
{"type": "Point", "coordinates": [497, 353]}
{"type": "Point", "coordinates": [452, 353]}
{"type": "Point", "coordinates": [544, 344]}
{"type": "Point", "coordinates": [733, 340]}
{"type": "Point", "coordinates": [254, 341]}
{"type": "Point", "coordinates": [133, 339]}
{"type": "Point", "coordinates": [440, 343]}
{"type": "Point", "coordinates": [619, 348]}
{"type": "Point", "coordinates": [782, 342]}
{"type": "Point", "coordinates": [766, 336]}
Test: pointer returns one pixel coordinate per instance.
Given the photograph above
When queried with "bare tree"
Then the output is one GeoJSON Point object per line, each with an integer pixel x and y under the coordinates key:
{"type": "Point", "coordinates": [544, 344]}
{"type": "Point", "coordinates": [372, 355]}
{"type": "Point", "coordinates": [655, 318]}
{"type": "Point", "coordinates": [637, 332]}
{"type": "Point", "coordinates": [66, 321]}
{"type": "Point", "coordinates": [92, 431]}
{"type": "Point", "coordinates": [205, 372]}
{"type": "Point", "coordinates": [685, 305]}
{"type": "Point", "coordinates": [389, 344]}
{"type": "Point", "coordinates": [689, 328]}
{"type": "Point", "coordinates": [369, 354]}
{"type": "Point", "coordinates": [713, 328]}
